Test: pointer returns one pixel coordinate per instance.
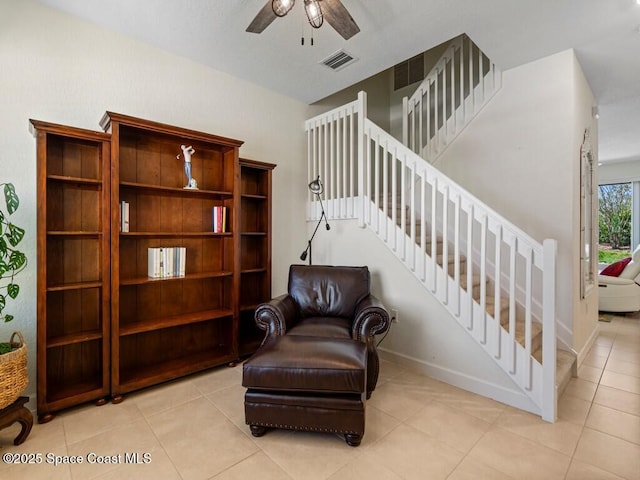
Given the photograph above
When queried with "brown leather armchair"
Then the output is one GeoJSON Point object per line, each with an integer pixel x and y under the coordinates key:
{"type": "Point", "coordinates": [318, 360]}
{"type": "Point", "coordinates": [328, 301]}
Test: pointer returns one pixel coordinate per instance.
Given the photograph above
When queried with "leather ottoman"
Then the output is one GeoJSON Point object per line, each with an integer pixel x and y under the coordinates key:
{"type": "Point", "coordinates": [307, 383]}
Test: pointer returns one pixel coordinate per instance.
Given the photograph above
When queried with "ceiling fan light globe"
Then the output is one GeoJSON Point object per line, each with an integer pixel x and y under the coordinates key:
{"type": "Point", "coordinates": [282, 7]}
{"type": "Point", "coordinates": [314, 13]}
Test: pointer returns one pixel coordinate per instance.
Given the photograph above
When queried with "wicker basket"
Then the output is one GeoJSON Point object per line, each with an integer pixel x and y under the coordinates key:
{"type": "Point", "coordinates": [13, 371]}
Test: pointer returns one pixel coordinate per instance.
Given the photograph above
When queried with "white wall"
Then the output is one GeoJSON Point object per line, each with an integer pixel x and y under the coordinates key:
{"type": "Point", "coordinates": [60, 69]}
{"type": "Point", "coordinates": [377, 88]}
{"type": "Point", "coordinates": [520, 155]}
{"type": "Point", "coordinates": [585, 311]}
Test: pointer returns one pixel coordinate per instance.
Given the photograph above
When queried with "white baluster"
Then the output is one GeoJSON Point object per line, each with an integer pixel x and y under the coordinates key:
{"type": "Point", "coordinates": [496, 292]}
{"type": "Point", "coordinates": [434, 243]}
{"type": "Point", "coordinates": [470, 220]}
{"type": "Point", "coordinates": [483, 277]}
{"type": "Point", "coordinates": [512, 302]}
{"type": "Point", "coordinates": [456, 243]}
{"type": "Point", "coordinates": [412, 214]}
{"type": "Point", "coordinates": [385, 192]}
{"type": "Point", "coordinates": [528, 318]}
{"type": "Point", "coordinates": [445, 242]}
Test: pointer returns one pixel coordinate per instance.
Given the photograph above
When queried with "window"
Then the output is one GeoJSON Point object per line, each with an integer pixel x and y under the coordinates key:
{"type": "Point", "coordinates": [615, 221]}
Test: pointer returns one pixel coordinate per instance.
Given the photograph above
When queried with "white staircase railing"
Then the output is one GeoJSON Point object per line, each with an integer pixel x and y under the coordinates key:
{"type": "Point", "coordinates": [454, 91]}
{"type": "Point", "coordinates": [494, 279]}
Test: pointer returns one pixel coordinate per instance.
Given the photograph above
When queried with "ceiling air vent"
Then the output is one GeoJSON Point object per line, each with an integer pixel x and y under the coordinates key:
{"type": "Point", "coordinates": [338, 60]}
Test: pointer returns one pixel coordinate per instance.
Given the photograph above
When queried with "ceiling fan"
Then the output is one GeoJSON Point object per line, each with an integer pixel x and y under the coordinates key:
{"type": "Point", "coordinates": [317, 11]}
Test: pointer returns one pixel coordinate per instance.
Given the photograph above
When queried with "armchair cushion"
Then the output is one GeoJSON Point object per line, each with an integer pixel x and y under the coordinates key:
{"type": "Point", "coordinates": [308, 364]}
{"type": "Point", "coordinates": [327, 291]}
{"type": "Point", "coordinates": [329, 327]}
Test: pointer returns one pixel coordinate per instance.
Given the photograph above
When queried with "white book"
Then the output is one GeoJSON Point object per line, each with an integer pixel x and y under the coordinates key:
{"type": "Point", "coordinates": [160, 262]}
{"type": "Point", "coordinates": [177, 261]}
{"type": "Point", "coordinates": [153, 264]}
{"type": "Point", "coordinates": [182, 262]}
{"type": "Point", "coordinates": [125, 217]}
{"type": "Point", "coordinates": [168, 261]}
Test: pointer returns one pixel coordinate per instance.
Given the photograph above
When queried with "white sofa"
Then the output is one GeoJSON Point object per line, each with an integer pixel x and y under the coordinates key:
{"type": "Point", "coordinates": [621, 293]}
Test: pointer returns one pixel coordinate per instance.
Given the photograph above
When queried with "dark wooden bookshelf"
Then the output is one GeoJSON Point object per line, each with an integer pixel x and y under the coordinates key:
{"type": "Point", "coordinates": [163, 328]}
{"type": "Point", "coordinates": [255, 249]}
{"type": "Point", "coordinates": [73, 256]}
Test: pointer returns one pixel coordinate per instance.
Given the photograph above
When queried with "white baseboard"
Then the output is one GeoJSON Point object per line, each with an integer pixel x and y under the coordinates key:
{"type": "Point", "coordinates": [587, 346]}
{"type": "Point", "coordinates": [501, 394]}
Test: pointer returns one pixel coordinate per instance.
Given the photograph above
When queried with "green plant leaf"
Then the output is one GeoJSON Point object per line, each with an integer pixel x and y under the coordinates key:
{"type": "Point", "coordinates": [11, 198]}
{"type": "Point", "coordinates": [14, 235]}
{"type": "Point", "coordinates": [17, 259]}
{"type": "Point", "coordinates": [3, 302]}
{"type": "Point", "coordinates": [13, 289]}
{"type": "Point", "coordinates": [8, 318]}
{"type": "Point", "coordinates": [4, 268]}
{"type": "Point", "coordinates": [3, 246]}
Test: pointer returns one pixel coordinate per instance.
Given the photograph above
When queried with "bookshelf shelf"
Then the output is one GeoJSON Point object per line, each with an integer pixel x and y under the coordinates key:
{"type": "Point", "coordinates": [56, 233]}
{"type": "Point", "coordinates": [190, 276]}
{"type": "Point", "coordinates": [71, 339]}
{"type": "Point", "coordinates": [175, 191]}
{"type": "Point", "coordinates": [174, 321]}
{"type": "Point", "coordinates": [80, 181]}
{"type": "Point", "coordinates": [73, 286]}
{"type": "Point", "coordinates": [254, 197]}
{"type": "Point", "coordinates": [176, 234]}
{"type": "Point", "coordinates": [144, 376]}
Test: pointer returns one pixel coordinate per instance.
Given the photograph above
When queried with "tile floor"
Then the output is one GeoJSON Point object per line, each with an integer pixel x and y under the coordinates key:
{"type": "Point", "coordinates": [417, 428]}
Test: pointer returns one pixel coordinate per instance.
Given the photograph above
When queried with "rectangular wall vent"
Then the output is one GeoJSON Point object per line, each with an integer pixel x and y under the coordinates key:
{"type": "Point", "coordinates": [408, 72]}
{"type": "Point", "coordinates": [338, 60]}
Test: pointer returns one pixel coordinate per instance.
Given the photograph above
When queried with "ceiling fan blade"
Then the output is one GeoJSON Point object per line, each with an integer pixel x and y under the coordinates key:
{"type": "Point", "coordinates": [339, 18]}
{"type": "Point", "coordinates": [263, 19]}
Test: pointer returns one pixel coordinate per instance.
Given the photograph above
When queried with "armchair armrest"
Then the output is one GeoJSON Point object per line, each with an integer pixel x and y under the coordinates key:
{"type": "Point", "coordinates": [604, 280]}
{"type": "Point", "coordinates": [274, 316]}
{"type": "Point", "coordinates": [371, 318]}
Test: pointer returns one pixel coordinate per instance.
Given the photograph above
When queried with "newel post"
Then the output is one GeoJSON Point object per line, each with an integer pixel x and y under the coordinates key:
{"type": "Point", "coordinates": [549, 400]}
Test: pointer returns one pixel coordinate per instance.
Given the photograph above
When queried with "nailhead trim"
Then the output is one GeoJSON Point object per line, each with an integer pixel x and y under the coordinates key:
{"type": "Point", "coordinates": [311, 429]}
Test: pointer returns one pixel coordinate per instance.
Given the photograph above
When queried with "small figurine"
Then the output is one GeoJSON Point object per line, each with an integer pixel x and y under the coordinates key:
{"type": "Point", "coordinates": [187, 151]}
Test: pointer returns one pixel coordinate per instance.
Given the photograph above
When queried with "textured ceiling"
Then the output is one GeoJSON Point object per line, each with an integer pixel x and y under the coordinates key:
{"type": "Point", "coordinates": [604, 33]}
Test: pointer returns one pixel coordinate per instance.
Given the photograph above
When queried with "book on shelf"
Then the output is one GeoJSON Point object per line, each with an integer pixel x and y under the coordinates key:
{"type": "Point", "coordinates": [124, 216]}
{"type": "Point", "coordinates": [220, 219]}
{"type": "Point", "coordinates": [166, 262]}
